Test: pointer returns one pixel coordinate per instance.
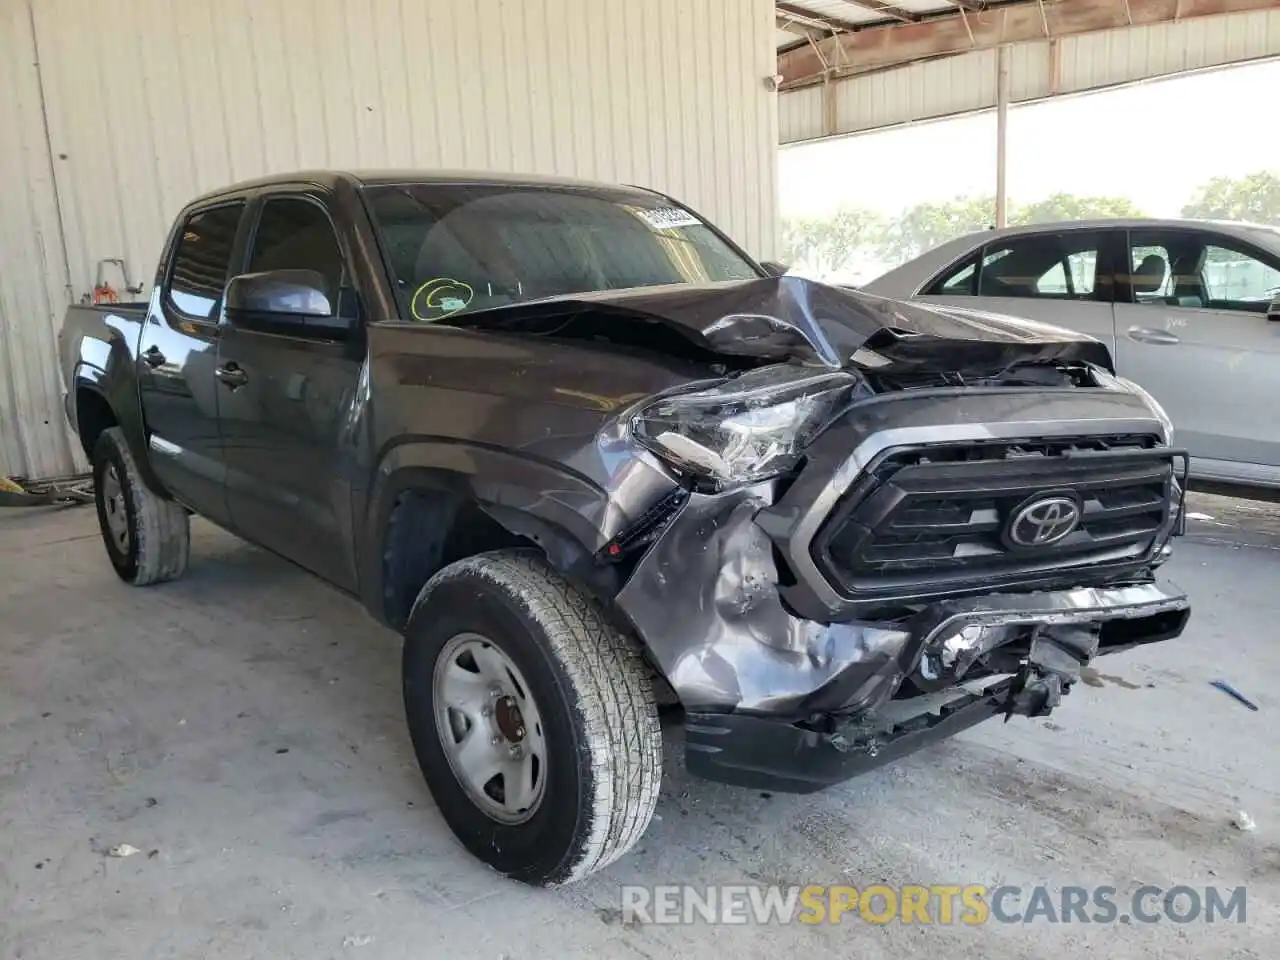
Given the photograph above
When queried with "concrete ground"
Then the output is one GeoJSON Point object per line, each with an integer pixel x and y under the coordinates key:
{"type": "Point", "coordinates": [243, 729]}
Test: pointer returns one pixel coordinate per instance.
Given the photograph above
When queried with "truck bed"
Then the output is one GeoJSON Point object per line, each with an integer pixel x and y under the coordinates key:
{"type": "Point", "coordinates": [91, 333]}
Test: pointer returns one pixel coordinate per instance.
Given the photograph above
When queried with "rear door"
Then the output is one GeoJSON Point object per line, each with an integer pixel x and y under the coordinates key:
{"type": "Point", "coordinates": [1192, 329]}
{"type": "Point", "coordinates": [1063, 278]}
{"type": "Point", "coordinates": [176, 358]}
{"type": "Point", "coordinates": [284, 398]}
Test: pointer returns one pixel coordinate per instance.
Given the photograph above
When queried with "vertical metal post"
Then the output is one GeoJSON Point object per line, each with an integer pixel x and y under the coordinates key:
{"type": "Point", "coordinates": [829, 110]}
{"type": "Point", "coordinates": [48, 147]}
{"type": "Point", "coordinates": [1002, 131]}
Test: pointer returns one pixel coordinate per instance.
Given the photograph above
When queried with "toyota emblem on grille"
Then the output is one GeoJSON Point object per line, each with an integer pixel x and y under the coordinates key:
{"type": "Point", "coordinates": [1043, 521]}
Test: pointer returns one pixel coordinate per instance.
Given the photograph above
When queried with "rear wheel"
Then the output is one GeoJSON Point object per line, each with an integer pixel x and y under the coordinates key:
{"type": "Point", "coordinates": [147, 537]}
{"type": "Point", "coordinates": [532, 718]}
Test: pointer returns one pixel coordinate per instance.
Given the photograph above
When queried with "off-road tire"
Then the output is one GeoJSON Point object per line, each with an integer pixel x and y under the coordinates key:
{"type": "Point", "coordinates": [159, 529]}
{"type": "Point", "coordinates": [604, 746]}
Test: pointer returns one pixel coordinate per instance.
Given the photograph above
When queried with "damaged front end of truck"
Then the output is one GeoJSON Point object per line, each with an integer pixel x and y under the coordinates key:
{"type": "Point", "coordinates": [905, 523]}
{"type": "Point", "coordinates": [881, 522]}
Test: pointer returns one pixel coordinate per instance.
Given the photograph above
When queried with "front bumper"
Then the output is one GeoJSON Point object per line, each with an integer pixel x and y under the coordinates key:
{"type": "Point", "coordinates": [773, 700]}
{"type": "Point", "coordinates": [771, 752]}
{"type": "Point", "coordinates": [706, 600]}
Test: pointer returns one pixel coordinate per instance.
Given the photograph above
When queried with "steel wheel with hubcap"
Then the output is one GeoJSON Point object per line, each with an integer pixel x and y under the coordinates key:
{"type": "Point", "coordinates": [117, 517]}
{"type": "Point", "coordinates": [490, 728]}
{"type": "Point", "coordinates": [532, 718]}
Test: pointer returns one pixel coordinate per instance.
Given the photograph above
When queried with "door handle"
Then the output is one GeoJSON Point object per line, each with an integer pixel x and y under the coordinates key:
{"type": "Point", "coordinates": [152, 356]}
{"type": "Point", "coordinates": [231, 374]}
{"type": "Point", "coordinates": [1147, 335]}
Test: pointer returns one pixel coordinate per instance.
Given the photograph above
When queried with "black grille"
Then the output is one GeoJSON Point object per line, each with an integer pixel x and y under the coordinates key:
{"type": "Point", "coordinates": [941, 514]}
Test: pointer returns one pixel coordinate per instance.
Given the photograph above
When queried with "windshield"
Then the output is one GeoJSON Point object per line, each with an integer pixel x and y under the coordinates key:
{"type": "Point", "coordinates": [454, 247]}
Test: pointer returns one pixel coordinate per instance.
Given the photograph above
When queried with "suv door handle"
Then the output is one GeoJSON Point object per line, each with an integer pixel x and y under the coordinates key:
{"type": "Point", "coordinates": [231, 374]}
{"type": "Point", "coordinates": [1147, 335]}
{"type": "Point", "coordinates": [152, 356]}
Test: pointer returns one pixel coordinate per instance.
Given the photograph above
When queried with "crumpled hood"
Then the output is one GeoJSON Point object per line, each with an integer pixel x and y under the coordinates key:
{"type": "Point", "coordinates": [790, 318]}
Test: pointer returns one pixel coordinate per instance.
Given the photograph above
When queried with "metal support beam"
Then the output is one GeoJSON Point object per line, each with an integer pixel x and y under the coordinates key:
{"type": "Point", "coordinates": [830, 108]}
{"type": "Point", "coordinates": [802, 30]}
{"type": "Point", "coordinates": [888, 9]}
{"type": "Point", "coordinates": [877, 46]}
{"type": "Point", "coordinates": [1002, 134]}
{"type": "Point", "coordinates": [808, 18]}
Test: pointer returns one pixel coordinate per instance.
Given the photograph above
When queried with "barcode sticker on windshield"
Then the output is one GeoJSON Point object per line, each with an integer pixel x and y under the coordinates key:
{"type": "Point", "coordinates": [666, 218]}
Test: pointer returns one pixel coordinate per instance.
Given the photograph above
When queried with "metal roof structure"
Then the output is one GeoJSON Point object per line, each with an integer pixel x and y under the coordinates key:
{"type": "Point", "coordinates": [819, 19]}
{"type": "Point", "coordinates": [820, 40]}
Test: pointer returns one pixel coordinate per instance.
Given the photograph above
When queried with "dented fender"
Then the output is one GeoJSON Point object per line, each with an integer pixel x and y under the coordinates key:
{"type": "Point", "coordinates": [705, 601]}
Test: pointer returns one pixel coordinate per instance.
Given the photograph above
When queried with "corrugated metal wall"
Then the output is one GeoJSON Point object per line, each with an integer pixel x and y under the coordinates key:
{"type": "Point", "coordinates": [150, 102]}
{"type": "Point", "coordinates": [32, 268]}
{"type": "Point", "coordinates": [953, 85]}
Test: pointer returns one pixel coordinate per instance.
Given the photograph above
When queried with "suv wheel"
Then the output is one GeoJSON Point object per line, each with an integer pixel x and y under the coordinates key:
{"type": "Point", "coordinates": [148, 538]}
{"type": "Point", "coordinates": [532, 718]}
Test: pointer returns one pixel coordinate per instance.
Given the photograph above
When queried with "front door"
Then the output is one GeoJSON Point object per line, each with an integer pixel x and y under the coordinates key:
{"type": "Point", "coordinates": [176, 357]}
{"type": "Point", "coordinates": [1193, 331]}
{"type": "Point", "coordinates": [284, 399]}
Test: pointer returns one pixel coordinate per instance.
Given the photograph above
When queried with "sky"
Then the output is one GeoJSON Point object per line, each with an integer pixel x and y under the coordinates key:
{"type": "Point", "coordinates": [1153, 142]}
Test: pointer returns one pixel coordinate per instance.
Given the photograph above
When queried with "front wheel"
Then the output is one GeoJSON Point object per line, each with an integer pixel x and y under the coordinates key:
{"type": "Point", "coordinates": [532, 718]}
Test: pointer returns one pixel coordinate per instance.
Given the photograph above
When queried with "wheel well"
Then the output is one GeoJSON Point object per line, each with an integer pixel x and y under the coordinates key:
{"type": "Point", "coordinates": [427, 531]}
{"type": "Point", "coordinates": [93, 416]}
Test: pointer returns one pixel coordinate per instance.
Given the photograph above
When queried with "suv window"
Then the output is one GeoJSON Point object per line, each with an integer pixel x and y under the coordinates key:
{"type": "Point", "coordinates": [295, 234]}
{"type": "Point", "coordinates": [1044, 266]}
{"type": "Point", "coordinates": [1187, 269]}
{"type": "Point", "coordinates": [1149, 272]}
{"type": "Point", "coordinates": [959, 282]}
{"type": "Point", "coordinates": [1053, 266]}
{"type": "Point", "coordinates": [1239, 281]}
{"type": "Point", "coordinates": [202, 260]}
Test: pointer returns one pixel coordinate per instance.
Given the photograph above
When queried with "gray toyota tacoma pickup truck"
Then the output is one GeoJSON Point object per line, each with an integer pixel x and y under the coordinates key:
{"type": "Point", "coordinates": [589, 457]}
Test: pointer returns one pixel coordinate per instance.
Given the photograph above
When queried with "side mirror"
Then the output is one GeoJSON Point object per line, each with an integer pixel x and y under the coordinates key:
{"type": "Point", "coordinates": [774, 268]}
{"type": "Point", "coordinates": [286, 293]}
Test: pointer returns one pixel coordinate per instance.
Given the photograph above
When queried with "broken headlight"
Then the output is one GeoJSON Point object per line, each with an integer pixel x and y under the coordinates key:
{"type": "Point", "coordinates": [750, 428]}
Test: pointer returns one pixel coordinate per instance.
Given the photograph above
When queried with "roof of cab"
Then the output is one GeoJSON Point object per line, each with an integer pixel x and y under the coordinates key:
{"type": "Point", "coordinates": [358, 178]}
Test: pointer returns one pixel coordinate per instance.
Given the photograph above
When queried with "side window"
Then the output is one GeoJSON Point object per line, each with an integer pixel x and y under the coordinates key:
{"type": "Point", "coordinates": [958, 283]}
{"type": "Point", "coordinates": [1047, 266]}
{"type": "Point", "coordinates": [295, 234]}
{"type": "Point", "coordinates": [1186, 268]}
{"type": "Point", "coordinates": [1239, 281]}
{"type": "Point", "coordinates": [202, 259]}
{"type": "Point", "coordinates": [1150, 275]}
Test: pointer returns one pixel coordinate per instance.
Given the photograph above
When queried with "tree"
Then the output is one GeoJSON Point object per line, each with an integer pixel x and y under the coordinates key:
{"type": "Point", "coordinates": [1065, 206]}
{"type": "Point", "coordinates": [830, 245]}
{"type": "Point", "coordinates": [928, 224]}
{"type": "Point", "coordinates": [1255, 198]}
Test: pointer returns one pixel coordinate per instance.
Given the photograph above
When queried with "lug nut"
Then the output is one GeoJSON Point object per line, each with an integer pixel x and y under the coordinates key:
{"type": "Point", "coordinates": [495, 739]}
{"type": "Point", "coordinates": [515, 751]}
{"type": "Point", "coordinates": [486, 712]}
